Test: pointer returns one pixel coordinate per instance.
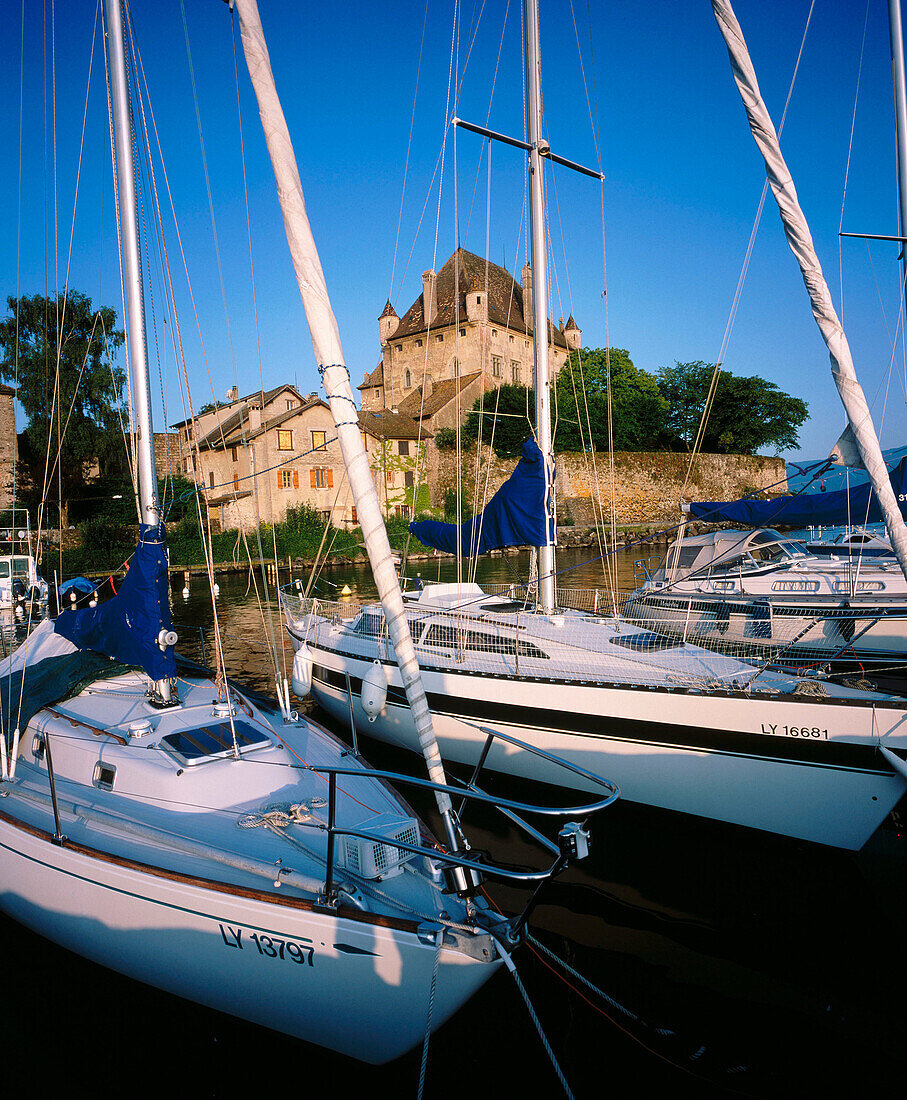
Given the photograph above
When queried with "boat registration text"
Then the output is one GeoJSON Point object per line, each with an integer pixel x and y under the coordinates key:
{"type": "Point", "coordinates": [776, 730]}
{"type": "Point", "coordinates": [270, 946]}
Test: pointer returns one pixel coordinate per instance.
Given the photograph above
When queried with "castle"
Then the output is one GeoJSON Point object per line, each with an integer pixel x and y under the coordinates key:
{"type": "Point", "coordinates": [470, 330]}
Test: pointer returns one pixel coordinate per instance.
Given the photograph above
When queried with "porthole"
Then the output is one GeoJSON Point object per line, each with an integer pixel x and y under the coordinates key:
{"type": "Point", "coordinates": [104, 776]}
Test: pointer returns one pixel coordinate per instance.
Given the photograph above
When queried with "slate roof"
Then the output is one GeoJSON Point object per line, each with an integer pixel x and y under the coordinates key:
{"type": "Point", "coordinates": [257, 397]}
{"type": "Point", "coordinates": [392, 425]}
{"type": "Point", "coordinates": [462, 272]}
{"type": "Point", "coordinates": [233, 432]}
{"type": "Point", "coordinates": [441, 394]}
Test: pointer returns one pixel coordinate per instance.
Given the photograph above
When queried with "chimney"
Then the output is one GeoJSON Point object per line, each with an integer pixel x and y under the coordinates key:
{"type": "Point", "coordinates": [527, 296]}
{"type": "Point", "coordinates": [254, 418]}
{"type": "Point", "coordinates": [429, 304]}
{"type": "Point", "coordinates": [428, 387]}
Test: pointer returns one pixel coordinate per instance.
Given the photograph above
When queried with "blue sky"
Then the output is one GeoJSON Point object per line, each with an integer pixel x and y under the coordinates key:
{"type": "Point", "coordinates": [683, 180]}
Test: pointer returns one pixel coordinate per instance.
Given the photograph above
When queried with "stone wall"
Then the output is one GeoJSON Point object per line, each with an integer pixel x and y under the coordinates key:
{"type": "Point", "coordinates": [647, 487]}
{"type": "Point", "coordinates": [8, 444]}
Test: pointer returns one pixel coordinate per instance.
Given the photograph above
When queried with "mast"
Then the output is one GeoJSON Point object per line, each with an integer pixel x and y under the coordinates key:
{"type": "Point", "coordinates": [801, 244]}
{"type": "Point", "coordinates": [538, 148]}
{"type": "Point", "coordinates": [900, 118]}
{"type": "Point", "coordinates": [149, 508]}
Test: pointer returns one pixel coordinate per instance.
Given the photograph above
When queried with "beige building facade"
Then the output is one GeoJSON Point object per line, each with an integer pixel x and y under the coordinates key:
{"type": "Point", "coordinates": [257, 456]}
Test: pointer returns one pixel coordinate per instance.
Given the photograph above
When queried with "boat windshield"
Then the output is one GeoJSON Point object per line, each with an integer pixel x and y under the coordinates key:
{"type": "Point", "coordinates": [776, 554]}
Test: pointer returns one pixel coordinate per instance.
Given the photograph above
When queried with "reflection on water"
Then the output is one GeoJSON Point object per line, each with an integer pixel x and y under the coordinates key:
{"type": "Point", "coordinates": [737, 963]}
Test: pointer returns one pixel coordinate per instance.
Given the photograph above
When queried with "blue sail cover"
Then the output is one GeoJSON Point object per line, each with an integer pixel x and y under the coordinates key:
{"type": "Point", "coordinates": [127, 627]}
{"type": "Point", "coordinates": [515, 515]}
{"type": "Point", "coordinates": [859, 505]}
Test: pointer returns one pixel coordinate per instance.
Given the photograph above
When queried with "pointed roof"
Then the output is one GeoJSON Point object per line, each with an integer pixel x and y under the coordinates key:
{"type": "Point", "coordinates": [454, 281]}
{"type": "Point", "coordinates": [388, 310]}
{"type": "Point", "coordinates": [374, 378]}
{"type": "Point", "coordinates": [571, 324]}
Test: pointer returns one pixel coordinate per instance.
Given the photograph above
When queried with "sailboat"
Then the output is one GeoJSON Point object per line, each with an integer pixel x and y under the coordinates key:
{"type": "Point", "coordinates": [159, 820]}
{"type": "Point", "coordinates": [675, 724]}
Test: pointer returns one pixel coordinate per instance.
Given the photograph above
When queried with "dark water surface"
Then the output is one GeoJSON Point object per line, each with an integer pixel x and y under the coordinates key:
{"type": "Point", "coordinates": [740, 963]}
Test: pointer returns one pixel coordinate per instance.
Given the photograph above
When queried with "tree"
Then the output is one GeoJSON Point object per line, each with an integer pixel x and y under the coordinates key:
{"type": "Point", "coordinates": [506, 416]}
{"type": "Point", "coordinates": [580, 403]}
{"type": "Point", "coordinates": [87, 405]}
{"type": "Point", "coordinates": [747, 414]}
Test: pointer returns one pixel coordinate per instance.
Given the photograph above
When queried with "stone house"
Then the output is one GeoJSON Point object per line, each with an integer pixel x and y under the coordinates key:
{"type": "Point", "coordinates": [259, 455]}
{"type": "Point", "coordinates": [469, 330]}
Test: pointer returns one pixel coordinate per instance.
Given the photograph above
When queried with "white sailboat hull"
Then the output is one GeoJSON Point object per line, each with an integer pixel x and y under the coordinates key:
{"type": "Point", "coordinates": [341, 980]}
{"type": "Point", "coordinates": [796, 765]}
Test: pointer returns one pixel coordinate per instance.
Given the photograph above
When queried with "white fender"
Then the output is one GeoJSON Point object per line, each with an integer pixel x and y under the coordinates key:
{"type": "Point", "coordinates": [302, 672]}
{"type": "Point", "coordinates": [373, 695]}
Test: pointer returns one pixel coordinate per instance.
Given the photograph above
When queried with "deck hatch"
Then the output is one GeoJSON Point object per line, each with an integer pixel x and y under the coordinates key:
{"type": "Point", "coordinates": [214, 740]}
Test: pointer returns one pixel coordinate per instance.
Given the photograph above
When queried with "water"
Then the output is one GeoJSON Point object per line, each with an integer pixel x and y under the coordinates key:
{"type": "Point", "coordinates": [752, 965]}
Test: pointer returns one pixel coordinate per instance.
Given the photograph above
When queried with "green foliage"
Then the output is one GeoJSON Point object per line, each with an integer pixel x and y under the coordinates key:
{"type": "Point", "coordinates": [87, 406]}
{"type": "Point", "coordinates": [445, 439]}
{"type": "Point", "coordinates": [580, 403]}
{"type": "Point", "coordinates": [747, 414]}
{"type": "Point", "coordinates": [505, 416]}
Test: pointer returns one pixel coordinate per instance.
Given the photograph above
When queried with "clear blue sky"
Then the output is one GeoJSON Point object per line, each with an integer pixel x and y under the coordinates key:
{"type": "Point", "coordinates": [683, 179]}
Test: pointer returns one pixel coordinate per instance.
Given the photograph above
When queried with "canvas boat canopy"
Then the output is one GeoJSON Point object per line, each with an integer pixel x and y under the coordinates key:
{"type": "Point", "coordinates": [515, 515]}
{"type": "Point", "coordinates": [856, 505]}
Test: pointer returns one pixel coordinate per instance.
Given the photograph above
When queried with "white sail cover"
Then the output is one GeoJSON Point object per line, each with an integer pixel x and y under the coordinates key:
{"type": "Point", "coordinates": [329, 356]}
{"type": "Point", "coordinates": [801, 244]}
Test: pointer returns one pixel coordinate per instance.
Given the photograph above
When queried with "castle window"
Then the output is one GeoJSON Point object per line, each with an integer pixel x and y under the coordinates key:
{"type": "Point", "coordinates": [494, 333]}
{"type": "Point", "coordinates": [319, 441]}
{"type": "Point", "coordinates": [321, 478]}
{"type": "Point", "coordinates": [284, 440]}
{"type": "Point", "coordinates": [403, 447]}
{"type": "Point", "coordinates": [440, 338]}
{"type": "Point", "coordinates": [407, 378]}
{"type": "Point", "coordinates": [511, 339]}
{"type": "Point", "coordinates": [289, 479]}
{"type": "Point", "coordinates": [515, 370]}
{"type": "Point", "coordinates": [496, 366]}
{"type": "Point", "coordinates": [233, 453]}
{"type": "Point", "coordinates": [211, 479]}
{"type": "Point", "coordinates": [399, 347]}
{"type": "Point", "coordinates": [409, 479]}
{"type": "Point", "coordinates": [418, 343]}
{"type": "Point", "coordinates": [462, 331]}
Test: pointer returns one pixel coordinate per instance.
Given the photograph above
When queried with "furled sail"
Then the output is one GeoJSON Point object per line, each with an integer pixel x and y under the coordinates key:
{"type": "Point", "coordinates": [325, 336]}
{"type": "Point", "coordinates": [134, 627]}
{"type": "Point", "coordinates": [860, 504]}
{"type": "Point", "coordinates": [515, 515]}
{"type": "Point", "coordinates": [801, 244]}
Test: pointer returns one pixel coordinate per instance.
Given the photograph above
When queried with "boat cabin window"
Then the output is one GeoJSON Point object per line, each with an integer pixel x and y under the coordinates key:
{"type": "Point", "coordinates": [20, 567]}
{"type": "Point", "coordinates": [4, 568]}
{"type": "Point", "coordinates": [646, 642]}
{"type": "Point", "coordinates": [449, 636]}
{"type": "Point", "coordinates": [213, 741]}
